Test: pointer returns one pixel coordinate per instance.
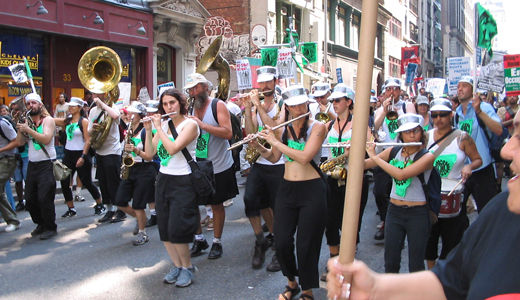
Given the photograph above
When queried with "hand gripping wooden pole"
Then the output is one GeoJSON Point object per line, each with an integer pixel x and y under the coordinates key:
{"type": "Point", "coordinates": [359, 132]}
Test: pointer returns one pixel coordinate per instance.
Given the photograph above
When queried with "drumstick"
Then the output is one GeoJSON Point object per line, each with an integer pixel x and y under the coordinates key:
{"type": "Point", "coordinates": [456, 186]}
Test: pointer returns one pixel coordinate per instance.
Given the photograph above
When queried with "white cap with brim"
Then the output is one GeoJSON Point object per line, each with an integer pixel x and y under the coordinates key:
{"type": "Point", "coordinates": [422, 100]}
{"type": "Point", "coordinates": [320, 89]}
{"type": "Point", "coordinates": [373, 99]}
{"type": "Point", "coordinates": [193, 79]}
{"type": "Point", "coordinates": [440, 104]}
{"type": "Point", "coordinates": [342, 90]}
{"type": "Point", "coordinates": [266, 73]}
{"type": "Point", "coordinates": [33, 97]}
{"type": "Point", "coordinates": [466, 79]}
{"type": "Point", "coordinates": [392, 82]}
{"type": "Point", "coordinates": [294, 95]}
{"type": "Point", "coordinates": [152, 106]}
{"type": "Point", "coordinates": [75, 101]}
{"type": "Point", "coordinates": [408, 121]}
{"type": "Point", "coordinates": [136, 107]}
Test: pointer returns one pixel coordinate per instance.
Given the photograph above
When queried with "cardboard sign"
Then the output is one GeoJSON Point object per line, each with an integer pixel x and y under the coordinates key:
{"type": "Point", "coordinates": [491, 76]}
{"type": "Point", "coordinates": [244, 78]}
{"type": "Point", "coordinates": [409, 55]}
{"type": "Point", "coordinates": [512, 74]}
{"type": "Point", "coordinates": [457, 67]}
{"type": "Point", "coordinates": [436, 86]}
{"type": "Point", "coordinates": [285, 64]}
{"type": "Point", "coordinates": [125, 89]}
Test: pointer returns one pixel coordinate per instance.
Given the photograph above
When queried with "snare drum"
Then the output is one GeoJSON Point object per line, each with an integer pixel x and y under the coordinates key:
{"type": "Point", "coordinates": [450, 205]}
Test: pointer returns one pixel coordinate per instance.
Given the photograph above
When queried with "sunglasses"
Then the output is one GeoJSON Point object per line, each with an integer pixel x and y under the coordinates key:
{"type": "Point", "coordinates": [390, 88]}
{"type": "Point", "coordinates": [442, 115]}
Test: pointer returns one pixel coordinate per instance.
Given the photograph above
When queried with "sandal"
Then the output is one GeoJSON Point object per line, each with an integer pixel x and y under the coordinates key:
{"type": "Point", "coordinates": [293, 291]}
{"type": "Point", "coordinates": [306, 296]}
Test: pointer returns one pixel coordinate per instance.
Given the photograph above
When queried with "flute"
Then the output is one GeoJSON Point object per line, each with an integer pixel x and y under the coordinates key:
{"type": "Point", "coordinates": [347, 144]}
{"type": "Point", "coordinates": [261, 94]}
{"type": "Point", "coordinates": [146, 119]}
{"type": "Point", "coordinates": [254, 136]}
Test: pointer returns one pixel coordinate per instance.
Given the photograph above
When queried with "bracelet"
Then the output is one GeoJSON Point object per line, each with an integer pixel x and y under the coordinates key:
{"type": "Point", "coordinates": [84, 156]}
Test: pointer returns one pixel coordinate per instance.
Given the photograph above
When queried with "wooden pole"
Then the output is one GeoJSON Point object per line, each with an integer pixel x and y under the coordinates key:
{"type": "Point", "coordinates": [359, 132]}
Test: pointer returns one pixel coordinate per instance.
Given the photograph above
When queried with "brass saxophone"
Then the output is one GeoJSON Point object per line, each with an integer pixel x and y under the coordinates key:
{"type": "Point", "coordinates": [252, 154]}
{"type": "Point", "coordinates": [336, 168]}
{"type": "Point", "coordinates": [127, 161]}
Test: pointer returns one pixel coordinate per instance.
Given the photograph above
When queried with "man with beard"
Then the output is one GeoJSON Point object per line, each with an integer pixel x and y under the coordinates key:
{"type": "Point", "coordinates": [474, 116]}
{"type": "Point", "coordinates": [212, 145]}
{"type": "Point", "coordinates": [108, 160]}
{"type": "Point", "coordinates": [40, 185]}
{"type": "Point", "coordinates": [386, 128]}
{"type": "Point", "coordinates": [264, 178]}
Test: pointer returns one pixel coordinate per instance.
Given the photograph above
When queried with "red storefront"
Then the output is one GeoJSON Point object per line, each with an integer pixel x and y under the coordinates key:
{"type": "Point", "coordinates": [54, 34]}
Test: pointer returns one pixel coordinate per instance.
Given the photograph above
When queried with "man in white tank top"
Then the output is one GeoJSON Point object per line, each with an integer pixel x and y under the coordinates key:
{"type": "Point", "coordinates": [40, 185]}
{"type": "Point", "coordinates": [264, 177]}
{"type": "Point", "coordinates": [212, 145]}
{"type": "Point", "coordinates": [382, 181]}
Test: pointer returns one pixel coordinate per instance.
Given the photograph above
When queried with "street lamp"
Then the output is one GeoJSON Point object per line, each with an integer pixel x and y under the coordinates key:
{"type": "Point", "coordinates": [140, 30]}
{"type": "Point", "coordinates": [97, 20]}
{"type": "Point", "coordinates": [41, 9]}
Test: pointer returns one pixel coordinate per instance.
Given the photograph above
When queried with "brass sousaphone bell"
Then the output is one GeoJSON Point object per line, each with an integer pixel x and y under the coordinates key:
{"type": "Point", "coordinates": [212, 59]}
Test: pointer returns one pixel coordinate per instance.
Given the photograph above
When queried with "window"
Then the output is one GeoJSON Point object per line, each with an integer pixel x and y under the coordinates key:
{"type": "Point", "coordinates": [283, 12]}
{"type": "Point", "coordinates": [394, 67]}
{"type": "Point", "coordinates": [354, 31]}
{"type": "Point", "coordinates": [414, 6]}
{"type": "Point", "coordinates": [414, 32]}
{"type": "Point", "coordinates": [341, 26]}
{"type": "Point", "coordinates": [395, 28]}
{"type": "Point", "coordinates": [164, 64]}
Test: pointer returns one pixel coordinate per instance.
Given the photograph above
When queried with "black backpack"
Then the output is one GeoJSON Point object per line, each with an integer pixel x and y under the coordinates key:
{"type": "Point", "coordinates": [236, 124]}
{"type": "Point", "coordinates": [432, 189]}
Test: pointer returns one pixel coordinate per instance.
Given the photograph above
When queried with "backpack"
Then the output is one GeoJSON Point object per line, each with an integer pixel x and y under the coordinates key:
{"type": "Point", "coordinates": [432, 188]}
{"type": "Point", "coordinates": [236, 125]}
{"type": "Point", "coordinates": [10, 121]}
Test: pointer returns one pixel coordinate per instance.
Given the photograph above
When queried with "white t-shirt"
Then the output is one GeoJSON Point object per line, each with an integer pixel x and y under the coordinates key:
{"type": "Point", "coordinates": [111, 145]}
{"type": "Point", "coordinates": [177, 163]}
{"type": "Point", "coordinates": [233, 108]}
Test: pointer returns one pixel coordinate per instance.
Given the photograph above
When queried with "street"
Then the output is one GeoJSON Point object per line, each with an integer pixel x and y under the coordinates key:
{"type": "Point", "coordinates": [87, 260]}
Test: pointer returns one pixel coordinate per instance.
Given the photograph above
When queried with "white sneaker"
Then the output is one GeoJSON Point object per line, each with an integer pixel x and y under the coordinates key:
{"type": "Point", "coordinates": [228, 202]}
{"type": "Point", "coordinates": [11, 227]}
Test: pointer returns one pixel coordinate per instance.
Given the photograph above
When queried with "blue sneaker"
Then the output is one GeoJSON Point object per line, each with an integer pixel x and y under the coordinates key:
{"type": "Point", "coordinates": [171, 277]}
{"type": "Point", "coordinates": [184, 278]}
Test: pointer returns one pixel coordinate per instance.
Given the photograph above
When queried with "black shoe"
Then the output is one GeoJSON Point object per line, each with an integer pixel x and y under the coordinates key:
{"type": "Point", "coordinates": [216, 251]}
{"type": "Point", "coordinates": [259, 254]}
{"type": "Point", "coordinates": [380, 233]}
{"type": "Point", "coordinates": [265, 228]}
{"type": "Point", "coordinates": [47, 234]}
{"type": "Point", "coordinates": [152, 221]}
{"type": "Point", "coordinates": [38, 230]}
{"type": "Point", "coordinates": [198, 247]}
{"type": "Point", "coordinates": [20, 206]}
{"type": "Point", "coordinates": [69, 213]}
{"type": "Point", "coordinates": [274, 266]}
{"type": "Point", "coordinates": [118, 217]}
{"type": "Point", "coordinates": [107, 217]}
{"type": "Point", "coordinates": [270, 240]}
{"type": "Point", "coordinates": [99, 209]}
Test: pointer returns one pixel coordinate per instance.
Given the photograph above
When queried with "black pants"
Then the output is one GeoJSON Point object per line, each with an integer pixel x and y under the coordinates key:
{"type": "Point", "coordinates": [108, 168]}
{"type": "Point", "coordinates": [482, 185]}
{"type": "Point", "coordinates": [382, 188]}
{"type": "Point", "coordinates": [84, 173]}
{"type": "Point", "coordinates": [450, 230]}
{"type": "Point", "coordinates": [335, 205]}
{"type": "Point", "coordinates": [300, 206]}
{"type": "Point", "coordinates": [40, 189]}
{"type": "Point", "coordinates": [262, 186]}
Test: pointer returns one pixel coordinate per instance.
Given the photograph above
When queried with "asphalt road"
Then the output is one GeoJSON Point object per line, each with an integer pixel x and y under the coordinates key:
{"type": "Point", "coordinates": [87, 260]}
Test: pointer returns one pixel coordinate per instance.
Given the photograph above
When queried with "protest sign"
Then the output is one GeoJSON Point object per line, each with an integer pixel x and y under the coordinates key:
{"type": "Point", "coordinates": [491, 76]}
{"type": "Point", "coordinates": [512, 74]}
{"type": "Point", "coordinates": [457, 67]}
{"type": "Point", "coordinates": [436, 86]}
{"type": "Point", "coordinates": [339, 75]}
{"type": "Point", "coordinates": [285, 64]}
{"type": "Point", "coordinates": [243, 70]}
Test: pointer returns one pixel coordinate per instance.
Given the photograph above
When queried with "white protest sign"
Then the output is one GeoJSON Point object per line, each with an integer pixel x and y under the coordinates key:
{"type": "Point", "coordinates": [18, 72]}
{"type": "Point", "coordinates": [163, 87]}
{"type": "Point", "coordinates": [285, 64]}
{"type": "Point", "coordinates": [457, 67]}
{"type": "Point", "coordinates": [491, 77]}
{"type": "Point", "coordinates": [244, 78]}
{"type": "Point", "coordinates": [436, 86]}
{"type": "Point", "coordinates": [125, 89]}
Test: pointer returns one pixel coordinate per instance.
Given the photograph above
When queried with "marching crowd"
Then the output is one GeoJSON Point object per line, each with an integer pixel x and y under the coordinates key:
{"type": "Point", "coordinates": [452, 138]}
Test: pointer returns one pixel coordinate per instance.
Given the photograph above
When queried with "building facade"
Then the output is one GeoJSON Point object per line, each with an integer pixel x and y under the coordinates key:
{"type": "Point", "coordinates": [458, 29]}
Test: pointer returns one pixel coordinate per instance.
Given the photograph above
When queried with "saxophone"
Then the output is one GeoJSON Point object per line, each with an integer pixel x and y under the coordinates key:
{"type": "Point", "coordinates": [127, 161]}
{"type": "Point", "coordinates": [336, 168]}
{"type": "Point", "coordinates": [252, 154]}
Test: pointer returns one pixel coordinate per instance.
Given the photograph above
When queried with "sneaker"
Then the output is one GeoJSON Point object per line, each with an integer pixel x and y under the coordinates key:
{"type": "Point", "coordinates": [20, 206]}
{"type": "Point", "coordinates": [193, 269]}
{"type": "Point", "coordinates": [107, 217]}
{"type": "Point", "coordinates": [270, 240]}
{"type": "Point", "coordinates": [228, 203]}
{"type": "Point", "coordinates": [37, 231]}
{"type": "Point", "coordinates": [136, 229]}
{"type": "Point", "coordinates": [118, 217]}
{"type": "Point", "coordinates": [69, 213]}
{"type": "Point", "coordinates": [79, 198]}
{"type": "Point", "coordinates": [171, 277]}
{"type": "Point", "coordinates": [184, 278]}
{"type": "Point", "coordinates": [99, 209]}
{"type": "Point", "coordinates": [152, 221]}
{"type": "Point", "coordinates": [216, 251]}
{"type": "Point", "coordinates": [204, 222]}
{"type": "Point", "coordinates": [380, 233]}
{"type": "Point", "coordinates": [142, 238]}
{"type": "Point", "coordinates": [259, 254]}
{"type": "Point", "coordinates": [265, 228]}
{"type": "Point", "coordinates": [198, 247]}
{"type": "Point", "coordinates": [47, 234]}
{"type": "Point", "coordinates": [210, 224]}
{"type": "Point", "coordinates": [274, 266]}
{"type": "Point", "coordinates": [12, 227]}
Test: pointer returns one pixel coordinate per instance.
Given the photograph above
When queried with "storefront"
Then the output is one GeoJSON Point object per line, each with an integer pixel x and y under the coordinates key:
{"type": "Point", "coordinates": [53, 43]}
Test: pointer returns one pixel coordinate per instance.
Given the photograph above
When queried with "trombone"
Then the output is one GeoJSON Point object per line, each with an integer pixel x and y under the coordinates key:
{"type": "Point", "coordinates": [323, 117]}
{"type": "Point", "coordinates": [254, 136]}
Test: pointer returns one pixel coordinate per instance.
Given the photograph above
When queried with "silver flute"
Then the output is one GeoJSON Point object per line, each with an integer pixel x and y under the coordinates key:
{"type": "Point", "coordinates": [347, 144]}
{"type": "Point", "coordinates": [146, 119]}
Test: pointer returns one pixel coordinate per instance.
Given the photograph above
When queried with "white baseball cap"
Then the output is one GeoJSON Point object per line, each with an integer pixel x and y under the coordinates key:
{"type": "Point", "coordinates": [408, 121]}
{"type": "Point", "coordinates": [294, 95]}
{"type": "Point", "coordinates": [466, 79]}
{"type": "Point", "coordinates": [136, 107]}
{"type": "Point", "coordinates": [75, 101]}
{"type": "Point", "coordinates": [193, 79]}
{"type": "Point", "coordinates": [392, 82]}
{"type": "Point", "coordinates": [422, 100]}
{"type": "Point", "coordinates": [440, 104]}
{"type": "Point", "coordinates": [319, 89]}
{"type": "Point", "coordinates": [33, 97]}
{"type": "Point", "coordinates": [342, 90]}
{"type": "Point", "coordinates": [266, 73]}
